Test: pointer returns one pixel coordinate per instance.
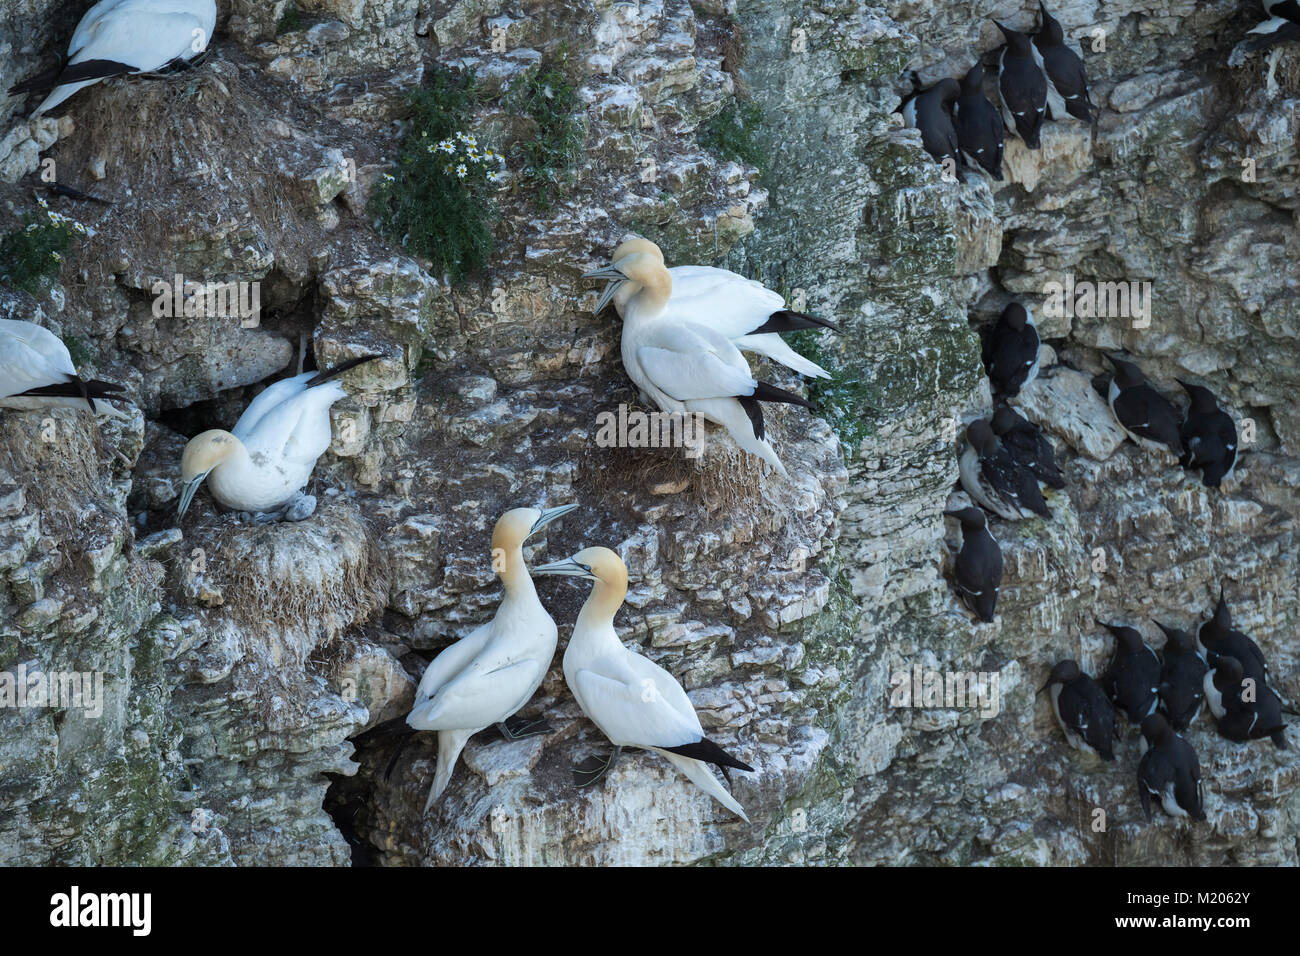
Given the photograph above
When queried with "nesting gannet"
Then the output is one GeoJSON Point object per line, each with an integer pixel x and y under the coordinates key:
{"type": "Point", "coordinates": [745, 311]}
{"type": "Point", "coordinates": [1169, 771]}
{"type": "Point", "coordinates": [488, 675]}
{"type": "Point", "coordinates": [118, 37]}
{"type": "Point", "coordinates": [261, 465]}
{"type": "Point", "coordinates": [36, 371]}
{"type": "Point", "coordinates": [683, 363]}
{"type": "Point", "coordinates": [634, 701]}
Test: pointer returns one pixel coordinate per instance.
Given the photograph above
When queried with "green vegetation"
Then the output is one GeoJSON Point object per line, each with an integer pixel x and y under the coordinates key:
{"type": "Point", "coordinates": [732, 134]}
{"type": "Point", "coordinates": [548, 160]}
{"type": "Point", "coordinates": [291, 20]}
{"type": "Point", "coordinates": [841, 399]}
{"type": "Point", "coordinates": [437, 201]}
{"type": "Point", "coordinates": [32, 255]}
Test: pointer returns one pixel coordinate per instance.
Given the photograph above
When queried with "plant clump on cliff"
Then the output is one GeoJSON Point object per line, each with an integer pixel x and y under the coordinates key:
{"type": "Point", "coordinates": [437, 200]}
{"type": "Point", "coordinates": [32, 255]}
{"type": "Point", "coordinates": [549, 158]}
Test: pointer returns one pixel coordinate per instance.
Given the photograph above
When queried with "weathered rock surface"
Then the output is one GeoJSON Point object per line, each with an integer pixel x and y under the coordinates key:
{"type": "Point", "coordinates": [239, 660]}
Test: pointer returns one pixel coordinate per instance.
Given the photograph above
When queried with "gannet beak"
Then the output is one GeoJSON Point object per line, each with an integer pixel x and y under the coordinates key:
{"type": "Point", "coordinates": [604, 272]}
{"type": "Point", "coordinates": [607, 295]}
{"type": "Point", "coordinates": [191, 489]}
{"type": "Point", "coordinates": [567, 568]}
{"type": "Point", "coordinates": [549, 515]}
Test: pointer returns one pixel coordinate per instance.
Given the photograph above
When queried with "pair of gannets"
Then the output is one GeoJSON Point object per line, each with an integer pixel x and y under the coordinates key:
{"type": "Point", "coordinates": [119, 37]}
{"type": "Point", "coordinates": [36, 371]}
{"type": "Point", "coordinates": [683, 332]}
{"type": "Point", "coordinates": [486, 677]}
{"type": "Point", "coordinates": [263, 463]}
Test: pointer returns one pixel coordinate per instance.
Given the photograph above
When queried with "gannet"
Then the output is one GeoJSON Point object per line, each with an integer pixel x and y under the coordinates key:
{"type": "Point", "coordinates": [634, 701]}
{"type": "Point", "coordinates": [745, 311]}
{"type": "Point", "coordinates": [36, 371]}
{"type": "Point", "coordinates": [261, 465]}
{"type": "Point", "coordinates": [117, 37]}
{"type": "Point", "coordinates": [685, 364]}
{"type": "Point", "coordinates": [488, 675]}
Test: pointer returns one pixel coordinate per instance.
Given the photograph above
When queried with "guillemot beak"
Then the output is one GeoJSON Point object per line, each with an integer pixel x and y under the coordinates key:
{"type": "Point", "coordinates": [547, 516]}
{"type": "Point", "coordinates": [567, 568]}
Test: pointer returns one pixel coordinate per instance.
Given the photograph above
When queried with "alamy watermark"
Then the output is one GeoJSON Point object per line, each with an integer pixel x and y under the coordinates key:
{"type": "Point", "coordinates": [222, 300]}
{"type": "Point", "coordinates": [633, 428]}
{"type": "Point", "coordinates": [952, 690]}
{"type": "Point", "coordinates": [1087, 299]}
{"type": "Point", "coordinates": [57, 690]}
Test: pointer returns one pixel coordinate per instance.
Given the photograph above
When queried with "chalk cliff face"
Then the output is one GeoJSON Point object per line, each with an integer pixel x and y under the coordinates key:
{"type": "Point", "coordinates": [239, 660]}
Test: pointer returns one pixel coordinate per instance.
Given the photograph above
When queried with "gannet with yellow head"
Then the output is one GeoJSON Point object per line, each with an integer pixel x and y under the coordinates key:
{"type": "Point", "coordinates": [36, 371]}
{"type": "Point", "coordinates": [634, 701]}
{"type": "Point", "coordinates": [684, 365]}
{"type": "Point", "coordinates": [486, 676]}
{"type": "Point", "coordinates": [743, 310]}
{"type": "Point", "coordinates": [262, 464]}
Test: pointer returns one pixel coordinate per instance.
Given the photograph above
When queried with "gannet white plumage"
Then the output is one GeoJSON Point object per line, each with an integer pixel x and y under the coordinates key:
{"type": "Point", "coordinates": [634, 701]}
{"type": "Point", "coordinates": [745, 311]}
{"type": "Point", "coordinates": [36, 371]}
{"type": "Point", "coordinates": [261, 464]}
{"type": "Point", "coordinates": [118, 37]}
{"type": "Point", "coordinates": [491, 673]}
{"type": "Point", "coordinates": [683, 364]}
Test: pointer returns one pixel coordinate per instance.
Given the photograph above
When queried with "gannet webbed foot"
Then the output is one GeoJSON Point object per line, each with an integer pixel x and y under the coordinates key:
{"type": "Point", "coordinates": [517, 728]}
{"type": "Point", "coordinates": [594, 768]}
{"type": "Point", "coordinates": [300, 507]}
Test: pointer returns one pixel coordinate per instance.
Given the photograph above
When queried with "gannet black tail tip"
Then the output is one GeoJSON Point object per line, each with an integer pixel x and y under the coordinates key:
{"type": "Point", "coordinates": [706, 750]}
{"type": "Point", "coordinates": [764, 392]}
{"type": "Point", "coordinates": [786, 320]}
{"type": "Point", "coordinates": [326, 374]}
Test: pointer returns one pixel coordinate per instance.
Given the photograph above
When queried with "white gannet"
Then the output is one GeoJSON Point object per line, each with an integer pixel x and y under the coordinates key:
{"type": "Point", "coordinates": [118, 37]}
{"type": "Point", "coordinates": [36, 371]}
{"type": "Point", "coordinates": [486, 676]}
{"type": "Point", "coordinates": [745, 311]}
{"type": "Point", "coordinates": [634, 701]}
{"type": "Point", "coordinates": [684, 365]}
{"type": "Point", "coordinates": [263, 463]}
